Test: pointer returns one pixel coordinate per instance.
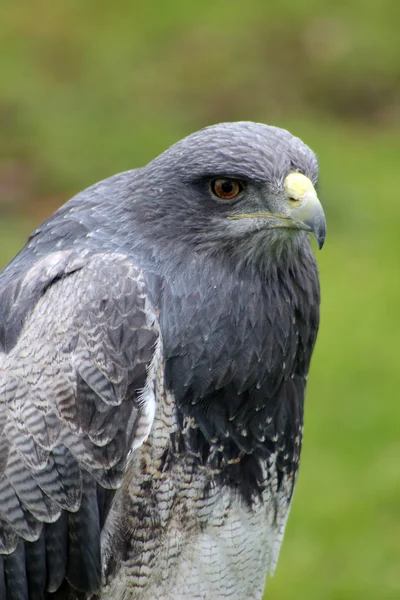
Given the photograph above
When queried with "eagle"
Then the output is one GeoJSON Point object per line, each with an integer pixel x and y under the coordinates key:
{"type": "Point", "coordinates": [155, 339]}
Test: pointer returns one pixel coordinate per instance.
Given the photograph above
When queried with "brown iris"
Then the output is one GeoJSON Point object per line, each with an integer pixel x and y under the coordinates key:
{"type": "Point", "coordinates": [226, 188]}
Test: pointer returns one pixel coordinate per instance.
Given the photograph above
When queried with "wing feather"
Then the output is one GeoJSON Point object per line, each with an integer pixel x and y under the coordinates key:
{"type": "Point", "coordinates": [15, 574]}
{"type": "Point", "coordinates": [73, 402]}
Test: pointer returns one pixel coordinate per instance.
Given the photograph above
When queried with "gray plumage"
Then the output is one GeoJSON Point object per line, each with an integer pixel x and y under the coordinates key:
{"type": "Point", "coordinates": [155, 341]}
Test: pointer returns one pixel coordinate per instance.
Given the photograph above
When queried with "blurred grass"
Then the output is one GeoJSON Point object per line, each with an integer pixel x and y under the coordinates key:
{"type": "Point", "coordinates": [92, 88]}
{"type": "Point", "coordinates": [343, 538]}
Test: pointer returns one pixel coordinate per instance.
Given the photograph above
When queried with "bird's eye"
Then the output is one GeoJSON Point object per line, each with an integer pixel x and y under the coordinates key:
{"type": "Point", "coordinates": [226, 189]}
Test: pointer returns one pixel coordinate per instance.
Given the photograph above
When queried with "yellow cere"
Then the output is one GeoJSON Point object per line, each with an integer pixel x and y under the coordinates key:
{"type": "Point", "coordinates": [297, 186]}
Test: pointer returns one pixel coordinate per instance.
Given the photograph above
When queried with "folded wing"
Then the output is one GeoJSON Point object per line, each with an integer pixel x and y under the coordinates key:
{"type": "Point", "coordinates": [78, 335]}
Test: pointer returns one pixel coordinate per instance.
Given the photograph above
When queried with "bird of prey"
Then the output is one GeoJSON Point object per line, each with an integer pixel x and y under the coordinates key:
{"type": "Point", "coordinates": [155, 339]}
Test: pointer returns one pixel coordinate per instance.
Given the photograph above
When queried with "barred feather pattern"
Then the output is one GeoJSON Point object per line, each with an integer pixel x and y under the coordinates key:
{"type": "Point", "coordinates": [71, 408]}
{"type": "Point", "coordinates": [184, 536]}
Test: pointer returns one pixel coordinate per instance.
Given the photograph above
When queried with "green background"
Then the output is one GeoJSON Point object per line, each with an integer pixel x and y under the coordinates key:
{"type": "Point", "coordinates": [90, 88]}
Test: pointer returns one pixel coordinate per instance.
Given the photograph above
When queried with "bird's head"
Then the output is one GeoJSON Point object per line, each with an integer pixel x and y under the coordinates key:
{"type": "Point", "coordinates": [240, 183]}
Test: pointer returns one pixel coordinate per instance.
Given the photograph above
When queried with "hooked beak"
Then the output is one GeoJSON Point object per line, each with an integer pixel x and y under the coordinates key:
{"type": "Point", "coordinates": [305, 210]}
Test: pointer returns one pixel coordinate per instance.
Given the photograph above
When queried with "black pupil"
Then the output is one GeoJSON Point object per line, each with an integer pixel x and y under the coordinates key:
{"type": "Point", "coordinates": [227, 187]}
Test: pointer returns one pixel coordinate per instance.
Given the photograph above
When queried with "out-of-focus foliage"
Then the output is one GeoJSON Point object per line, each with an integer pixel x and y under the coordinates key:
{"type": "Point", "coordinates": [91, 88]}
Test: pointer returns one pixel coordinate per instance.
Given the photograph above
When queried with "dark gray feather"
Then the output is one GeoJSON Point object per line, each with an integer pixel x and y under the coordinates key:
{"type": "Point", "coordinates": [84, 344]}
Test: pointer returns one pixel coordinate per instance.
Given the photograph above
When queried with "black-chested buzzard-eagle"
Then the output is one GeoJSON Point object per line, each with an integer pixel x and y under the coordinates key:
{"type": "Point", "coordinates": [155, 338]}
